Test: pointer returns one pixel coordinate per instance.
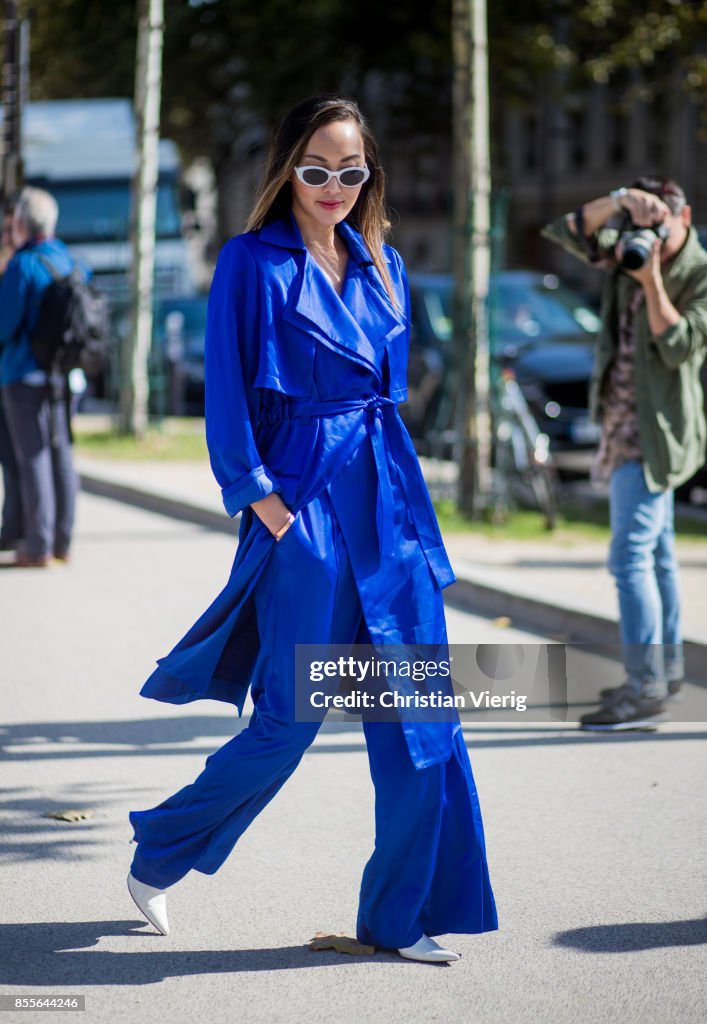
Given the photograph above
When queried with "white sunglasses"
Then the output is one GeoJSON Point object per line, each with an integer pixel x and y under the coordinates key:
{"type": "Point", "coordinates": [316, 177]}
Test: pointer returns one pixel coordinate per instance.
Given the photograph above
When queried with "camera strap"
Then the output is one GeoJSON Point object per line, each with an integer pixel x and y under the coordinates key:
{"type": "Point", "coordinates": [589, 243]}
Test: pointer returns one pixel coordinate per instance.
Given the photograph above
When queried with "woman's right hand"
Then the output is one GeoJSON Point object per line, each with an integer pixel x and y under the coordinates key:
{"type": "Point", "coordinates": [272, 511]}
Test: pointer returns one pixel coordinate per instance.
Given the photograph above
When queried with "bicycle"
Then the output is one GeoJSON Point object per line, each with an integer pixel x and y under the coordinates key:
{"type": "Point", "coordinates": [523, 470]}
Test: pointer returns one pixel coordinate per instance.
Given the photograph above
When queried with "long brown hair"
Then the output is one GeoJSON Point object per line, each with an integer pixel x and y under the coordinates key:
{"type": "Point", "coordinates": [289, 142]}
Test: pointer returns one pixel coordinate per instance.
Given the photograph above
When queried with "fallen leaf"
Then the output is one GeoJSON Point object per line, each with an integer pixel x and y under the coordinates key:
{"type": "Point", "coordinates": [503, 622]}
{"type": "Point", "coordinates": [69, 815]}
{"type": "Point", "coordinates": [340, 942]}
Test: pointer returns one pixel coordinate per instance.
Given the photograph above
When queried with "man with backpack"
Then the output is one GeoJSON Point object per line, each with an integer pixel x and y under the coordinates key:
{"type": "Point", "coordinates": [34, 397]}
{"type": "Point", "coordinates": [11, 514]}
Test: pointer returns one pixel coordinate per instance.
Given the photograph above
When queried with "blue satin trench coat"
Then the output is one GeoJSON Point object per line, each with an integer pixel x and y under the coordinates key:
{"type": "Point", "coordinates": [275, 327]}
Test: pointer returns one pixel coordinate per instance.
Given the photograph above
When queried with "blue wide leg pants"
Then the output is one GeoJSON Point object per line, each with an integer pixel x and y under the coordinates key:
{"type": "Point", "coordinates": [428, 870]}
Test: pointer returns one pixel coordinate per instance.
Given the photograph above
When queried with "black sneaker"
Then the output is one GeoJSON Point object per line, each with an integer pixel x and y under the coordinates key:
{"type": "Point", "coordinates": [626, 711]}
{"type": "Point", "coordinates": [674, 691]}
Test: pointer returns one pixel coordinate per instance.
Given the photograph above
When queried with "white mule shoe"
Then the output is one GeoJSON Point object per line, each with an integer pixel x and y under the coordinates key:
{"type": "Point", "coordinates": [151, 902]}
{"type": "Point", "coordinates": [428, 950]}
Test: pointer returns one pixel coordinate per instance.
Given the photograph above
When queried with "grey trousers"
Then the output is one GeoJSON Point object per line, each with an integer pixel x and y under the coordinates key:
{"type": "Point", "coordinates": [11, 526]}
{"type": "Point", "coordinates": [48, 479]}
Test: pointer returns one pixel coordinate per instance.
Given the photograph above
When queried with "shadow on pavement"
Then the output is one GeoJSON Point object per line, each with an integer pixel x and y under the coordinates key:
{"type": "Point", "coordinates": [41, 956]}
{"type": "Point", "coordinates": [635, 936]}
{"type": "Point", "coordinates": [165, 736]}
{"type": "Point", "coordinates": [29, 834]}
{"type": "Point", "coordinates": [160, 736]}
{"type": "Point", "coordinates": [38, 845]}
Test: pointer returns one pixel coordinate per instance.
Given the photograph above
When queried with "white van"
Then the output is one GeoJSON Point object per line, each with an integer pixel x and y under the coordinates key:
{"type": "Point", "coordinates": [84, 152]}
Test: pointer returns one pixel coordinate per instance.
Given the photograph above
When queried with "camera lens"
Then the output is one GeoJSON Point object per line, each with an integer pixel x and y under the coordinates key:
{"type": "Point", "coordinates": [637, 248]}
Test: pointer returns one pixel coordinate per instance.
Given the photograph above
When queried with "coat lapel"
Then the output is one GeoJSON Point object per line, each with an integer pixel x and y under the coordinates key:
{"type": "Point", "coordinates": [313, 305]}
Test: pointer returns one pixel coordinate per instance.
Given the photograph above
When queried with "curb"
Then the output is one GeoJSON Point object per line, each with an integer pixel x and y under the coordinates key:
{"type": "Point", "coordinates": [160, 503]}
{"type": "Point", "coordinates": [567, 624]}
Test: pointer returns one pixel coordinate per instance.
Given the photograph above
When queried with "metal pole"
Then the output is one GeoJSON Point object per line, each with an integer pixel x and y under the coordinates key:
{"type": "Point", "coordinates": [148, 84]}
{"type": "Point", "coordinates": [471, 251]}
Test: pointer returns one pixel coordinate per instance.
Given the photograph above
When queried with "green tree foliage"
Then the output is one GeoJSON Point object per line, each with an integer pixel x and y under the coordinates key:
{"type": "Point", "coordinates": [230, 65]}
{"type": "Point", "coordinates": [81, 48]}
{"type": "Point", "coordinates": [602, 41]}
{"type": "Point", "coordinates": [653, 36]}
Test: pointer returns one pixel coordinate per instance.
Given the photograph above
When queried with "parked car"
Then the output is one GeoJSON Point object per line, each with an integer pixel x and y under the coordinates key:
{"type": "Point", "coordinates": [177, 359]}
{"type": "Point", "coordinates": [543, 329]}
{"type": "Point", "coordinates": [176, 362]}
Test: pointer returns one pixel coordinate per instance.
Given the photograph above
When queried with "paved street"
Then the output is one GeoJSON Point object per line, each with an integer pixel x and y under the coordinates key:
{"type": "Point", "coordinates": [596, 844]}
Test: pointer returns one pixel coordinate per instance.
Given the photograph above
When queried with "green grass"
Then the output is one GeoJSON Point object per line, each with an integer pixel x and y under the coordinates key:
{"type": "Point", "coordinates": [521, 524]}
{"type": "Point", "coordinates": [175, 440]}
{"type": "Point", "coordinates": [577, 522]}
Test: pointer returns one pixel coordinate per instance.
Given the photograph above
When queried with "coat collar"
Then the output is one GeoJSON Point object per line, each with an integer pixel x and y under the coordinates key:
{"type": "Point", "coordinates": [313, 304]}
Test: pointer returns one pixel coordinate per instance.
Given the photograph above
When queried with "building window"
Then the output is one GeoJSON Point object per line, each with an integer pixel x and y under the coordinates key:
{"type": "Point", "coordinates": [657, 129]}
{"type": "Point", "coordinates": [618, 135]}
{"type": "Point", "coordinates": [530, 142]}
{"type": "Point", "coordinates": [577, 135]}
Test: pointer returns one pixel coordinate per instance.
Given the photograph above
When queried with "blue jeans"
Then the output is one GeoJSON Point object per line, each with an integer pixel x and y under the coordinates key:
{"type": "Point", "coordinates": [643, 563]}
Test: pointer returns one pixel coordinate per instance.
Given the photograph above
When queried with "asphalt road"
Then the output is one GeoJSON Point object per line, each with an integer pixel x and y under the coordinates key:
{"type": "Point", "coordinates": [595, 844]}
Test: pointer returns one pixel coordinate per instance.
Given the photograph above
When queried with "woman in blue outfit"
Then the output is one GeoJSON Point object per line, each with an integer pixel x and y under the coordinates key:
{"type": "Point", "coordinates": [306, 360]}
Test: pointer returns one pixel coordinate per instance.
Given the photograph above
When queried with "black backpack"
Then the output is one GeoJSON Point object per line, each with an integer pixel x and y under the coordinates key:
{"type": "Point", "coordinates": [72, 328]}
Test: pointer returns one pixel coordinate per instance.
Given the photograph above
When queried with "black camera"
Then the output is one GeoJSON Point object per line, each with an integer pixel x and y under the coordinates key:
{"type": "Point", "coordinates": [638, 243]}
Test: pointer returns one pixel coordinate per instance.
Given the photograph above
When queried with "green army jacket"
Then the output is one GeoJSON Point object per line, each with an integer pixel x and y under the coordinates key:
{"type": "Point", "coordinates": [669, 395]}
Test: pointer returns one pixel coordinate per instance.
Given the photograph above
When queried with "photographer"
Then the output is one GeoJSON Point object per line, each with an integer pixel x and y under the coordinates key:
{"type": "Point", "coordinates": [646, 394]}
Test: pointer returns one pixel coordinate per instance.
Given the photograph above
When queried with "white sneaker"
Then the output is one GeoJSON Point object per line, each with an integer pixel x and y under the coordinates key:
{"type": "Point", "coordinates": [427, 949]}
{"type": "Point", "coordinates": [151, 902]}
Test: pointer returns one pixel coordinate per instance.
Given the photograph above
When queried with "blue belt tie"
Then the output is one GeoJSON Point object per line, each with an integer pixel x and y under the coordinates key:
{"type": "Point", "coordinates": [374, 406]}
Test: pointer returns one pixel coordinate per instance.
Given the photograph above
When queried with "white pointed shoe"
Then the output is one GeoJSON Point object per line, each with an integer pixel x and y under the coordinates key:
{"type": "Point", "coordinates": [151, 902]}
{"type": "Point", "coordinates": [428, 950]}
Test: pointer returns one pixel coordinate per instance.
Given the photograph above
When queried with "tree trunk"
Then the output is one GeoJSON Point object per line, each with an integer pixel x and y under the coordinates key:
{"type": "Point", "coordinates": [471, 251]}
{"type": "Point", "coordinates": [148, 79]}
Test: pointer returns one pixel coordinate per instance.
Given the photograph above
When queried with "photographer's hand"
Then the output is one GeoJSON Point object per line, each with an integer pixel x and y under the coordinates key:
{"type": "Point", "coordinates": [644, 208]}
{"type": "Point", "coordinates": [662, 314]}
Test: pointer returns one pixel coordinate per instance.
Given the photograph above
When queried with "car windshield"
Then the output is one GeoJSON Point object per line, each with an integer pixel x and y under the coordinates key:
{"type": "Point", "coordinates": [94, 211]}
{"type": "Point", "coordinates": [521, 311]}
